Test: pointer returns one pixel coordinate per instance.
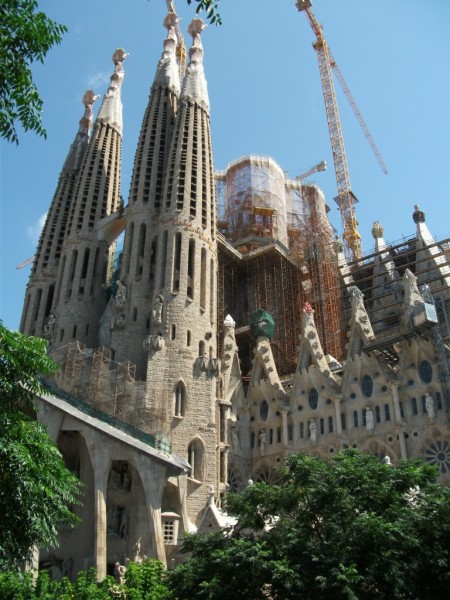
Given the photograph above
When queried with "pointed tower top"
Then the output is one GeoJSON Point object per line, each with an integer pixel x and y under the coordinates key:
{"type": "Point", "coordinates": [86, 120]}
{"type": "Point", "coordinates": [167, 73]}
{"type": "Point", "coordinates": [380, 244]}
{"type": "Point", "coordinates": [111, 109]}
{"type": "Point", "coordinates": [72, 162]}
{"type": "Point", "coordinates": [196, 50]}
{"type": "Point", "coordinates": [418, 215]}
{"type": "Point", "coordinates": [194, 85]}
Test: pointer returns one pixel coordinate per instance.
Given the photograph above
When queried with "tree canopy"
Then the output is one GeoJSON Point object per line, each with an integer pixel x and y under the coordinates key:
{"type": "Point", "coordinates": [36, 489]}
{"type": "Point", "coordinates": [26, 35]}
{"type": "Point", "coordinates": [351, 527]}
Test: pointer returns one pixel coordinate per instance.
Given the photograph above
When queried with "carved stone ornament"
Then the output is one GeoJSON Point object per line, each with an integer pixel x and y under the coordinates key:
{"type": "Point", "coordinates": [377, 230]}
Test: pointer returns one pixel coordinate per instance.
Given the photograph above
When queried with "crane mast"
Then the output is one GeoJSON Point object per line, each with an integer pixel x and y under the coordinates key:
{"type": "Point", "coordinates": [347, 200]}
{"type": "Point", "coordinates": [181, 47]}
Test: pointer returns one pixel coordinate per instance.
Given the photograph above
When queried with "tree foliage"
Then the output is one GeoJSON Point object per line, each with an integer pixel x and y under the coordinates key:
{"type": "Point", "coordinates": [211, 8]}
{"type": "Point", "coordinates": [26, 35]}
{"type": "Point", "coordinates": [36, 489]}
{"type": "Point", "coordinates": [145, 581]}
{"type": "Point", "coordinates": [350, 527]}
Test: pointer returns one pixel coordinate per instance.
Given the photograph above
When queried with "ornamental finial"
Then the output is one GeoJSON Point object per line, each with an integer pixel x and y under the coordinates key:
{"type": "Point", "coordinates": [377, 230]}
{"type": "Point", "coordinates": [418, 215]}
{"type": "Point", "coordinates": [86, 120]}
{"type": "Point", "coordinates": [196, 50]}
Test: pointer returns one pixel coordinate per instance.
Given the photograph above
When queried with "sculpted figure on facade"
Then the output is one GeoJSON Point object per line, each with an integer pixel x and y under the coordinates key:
{"type": "Point", "coordinates": [49, 328]}
{"type": "Point", "coordinates": [429, 406]}
{"type": "Point", "coordinates": [121, 294]}
{"type": "Point", "coordinates": [262, 441]}
{"type": "Point", "coordinates": [313, 430]}
{"type": "Point", "coordinates": [369, 419]}
{"type": "Point", "coordinates": [157, 309]}
{"type": "Point", "coordinates": [119, 573]}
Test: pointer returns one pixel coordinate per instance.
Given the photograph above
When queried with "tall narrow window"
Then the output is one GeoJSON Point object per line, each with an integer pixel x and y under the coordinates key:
{"type": "Point", "coordinates": [191, 270]}
{"type": "Point", "coordinates": [84, 270]}
{"type": "Point", "coordinates": [162, 277]}
{"type": "Point", "coordinates": [355, 418]}
{"type": "Point", "coordinates": [414, 406]}
{"type": "Point", "coordinates": [141, 250]}
{"type": "Point", "coordinates": [203, 279]}
{"type": "Point", "coordinates": [196, 459]}
{"type": "Point", "coordinates": [330, 424]}
{"type": "Point", "coordinates": [129, 248]}
{"type": "Point", "coordinates": [343, 424]}
{"type": "Point", "coordinates": [387, 412]}
{"type": "Point", "coordinates": [153, 255]}
{"type": "Point", "coordinates": [73, 264]}
{"type": "Point", "coordinates": [212, 290]}
{"type": "Point", "coordinates": [176, 264]}
{"type": "Point", "coordinates": [180, 399]}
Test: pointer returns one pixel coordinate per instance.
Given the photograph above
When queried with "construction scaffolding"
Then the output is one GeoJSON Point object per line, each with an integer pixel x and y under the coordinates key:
{"type": "Point", "coordinates": [276, 252]}
{"type": "Point", "coordinates": [403, 254]}
{"type": "Point", "coordinates": [91, 376]}
{"type": "Point", "coordinates": [251, 201]}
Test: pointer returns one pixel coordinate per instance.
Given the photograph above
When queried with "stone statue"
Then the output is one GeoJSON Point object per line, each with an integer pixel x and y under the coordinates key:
{"type": "Point", "coordinates": [157, 309]}
{"type": "Point", "coordinates": [262, 324]}
{"type": "Point", "coordinates": [429, 406]}
{"type": "Point", "coordinates": [369, 419]}
{"type": "Point", "coordinates": [121, 293]}
{"type": "Point", "coordinates": [49, 328]}
{"type": "Point", "coordinates": [262, 441]}
{"type": "Point", "coordinates": [313, 430]}
{"type": "Point", "coordinates": [119, 573]}
{"type": "Point", "coordinates": [123, 527]}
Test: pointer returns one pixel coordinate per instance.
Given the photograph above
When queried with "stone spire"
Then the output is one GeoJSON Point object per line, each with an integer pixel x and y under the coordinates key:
{"type": "Point", "coordinates": [182, 363]}
{"type": "Point", "coordinates": [167, 73]}
{"type": "Point", "coordinates": [385, 282]}
{"type": "Point", "coordinates": [195, 87]}
{"type": "Point", "coordinates": [138, 265]}
{"type": "Point", "coordinates": [431, 263]}
{"type": "Point", "coordinates": [111, 109]}
{"type": "Point", "coordinates": [86, 261]}
{"type": "Point", "coordinates": [41, 287]}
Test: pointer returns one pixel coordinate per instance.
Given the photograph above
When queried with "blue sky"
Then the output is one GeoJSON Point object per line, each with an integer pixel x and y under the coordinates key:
{"type": "Point", "coordinates": [266, 98]}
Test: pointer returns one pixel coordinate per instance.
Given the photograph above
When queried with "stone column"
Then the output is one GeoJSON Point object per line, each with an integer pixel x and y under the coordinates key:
{"type": "Point", "coordinates": [153, 477]}
{"type": "Point", "coordinates": [395, 398]}
{"type": "Point", "coordinates": [284, 416]}
{"type": "Point", "coordinates": [337, 407]}
{"type": "Point", "coordinates": [100, 530]}
{"type": "Point", "coordinates": [99, 454]}
{"type": "Point", "coordinates": [401, 439]}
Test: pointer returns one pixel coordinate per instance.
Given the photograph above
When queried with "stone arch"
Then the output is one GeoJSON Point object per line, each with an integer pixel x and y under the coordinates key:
{"type": "Point", "coordinates": [179, 399]}
{"type": "Point", "coordinates": [197, 459]}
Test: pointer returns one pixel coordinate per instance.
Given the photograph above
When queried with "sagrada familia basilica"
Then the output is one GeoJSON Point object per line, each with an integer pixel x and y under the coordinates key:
{"type": "Point", "coordinates": [229, 331]}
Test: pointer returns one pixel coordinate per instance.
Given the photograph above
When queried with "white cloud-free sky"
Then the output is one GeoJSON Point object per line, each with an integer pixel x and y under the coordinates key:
{"type": "Point", "coordinates": [266, 98]}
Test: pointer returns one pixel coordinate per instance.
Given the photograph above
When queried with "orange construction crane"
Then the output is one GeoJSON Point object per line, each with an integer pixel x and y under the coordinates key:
{"type": "Point", "coordinates": [25, 263]}
{"type": "Point", "coordinates": [181, 47]}
{"type": "Point", "coordinates": [346, 198]}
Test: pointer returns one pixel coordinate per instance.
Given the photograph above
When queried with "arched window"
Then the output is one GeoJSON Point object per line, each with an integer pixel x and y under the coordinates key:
{"type": "Point", "coordinates": [180, 399]}
{"type": "Point", "coordinates": [196, 459]}
{"type": "Point", "coordinates": [313, 398]}
{"type": "Point", "coordinates": [367, 385]}
{"type": "Point", "coordinates": [264, 410]}
{"type": "Point", "coordinates": [426, 371]}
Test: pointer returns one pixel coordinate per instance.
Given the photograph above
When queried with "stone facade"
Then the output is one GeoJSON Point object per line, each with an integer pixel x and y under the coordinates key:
{"type": "Point", "coordinates": [164, 401]}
